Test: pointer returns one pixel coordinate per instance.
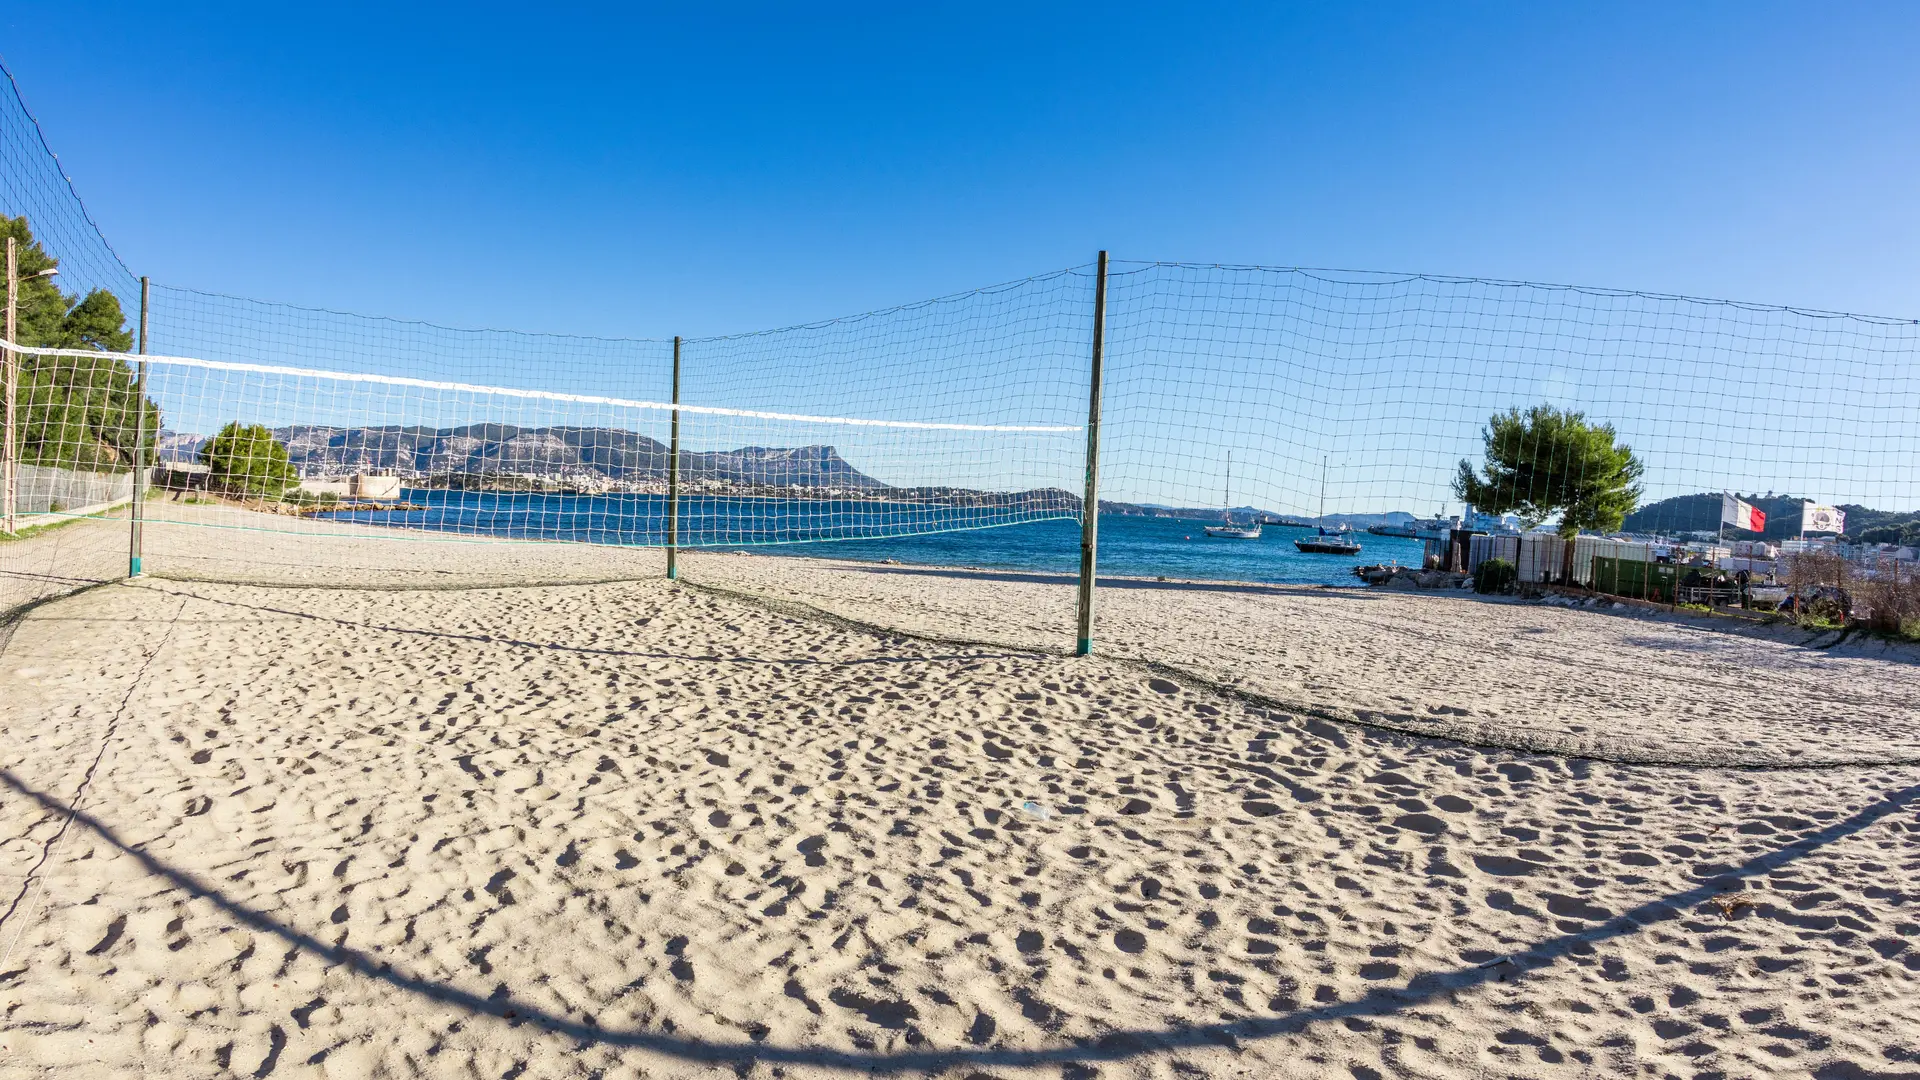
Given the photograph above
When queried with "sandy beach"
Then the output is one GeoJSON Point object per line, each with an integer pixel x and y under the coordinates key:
{"type": "Point", "coordinates": [638, 829]}
{"type": "Point", "coordinates": [1620, 684]}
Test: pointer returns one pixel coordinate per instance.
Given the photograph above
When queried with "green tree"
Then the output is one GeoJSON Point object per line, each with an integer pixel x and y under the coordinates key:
{"type": "Point", "coordinates": [245, 459]}
{"type": "Point", "coordinates": [74, 412]}
{"type": "Point", "coordinates": [1546, 461]}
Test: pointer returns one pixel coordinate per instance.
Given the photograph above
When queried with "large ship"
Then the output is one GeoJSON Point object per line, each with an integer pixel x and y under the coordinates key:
{"type": "Point", "coordinates": [1439, 527]}
{"type": "Point", "coordinates": [1417, 529]}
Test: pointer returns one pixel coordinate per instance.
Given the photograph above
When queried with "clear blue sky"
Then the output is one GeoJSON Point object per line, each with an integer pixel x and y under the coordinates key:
{"type": "Point", "coordinates": [705, 169]}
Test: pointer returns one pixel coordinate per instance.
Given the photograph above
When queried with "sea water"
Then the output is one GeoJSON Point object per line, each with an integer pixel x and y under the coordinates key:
{"type": "Point", "coordinates": [1130, 545]}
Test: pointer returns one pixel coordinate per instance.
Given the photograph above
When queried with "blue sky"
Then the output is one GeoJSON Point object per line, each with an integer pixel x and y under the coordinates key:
{"type": "Point", "coordinates": [725, 169]}
{"type": "Point", "coordinates": [704, 169]}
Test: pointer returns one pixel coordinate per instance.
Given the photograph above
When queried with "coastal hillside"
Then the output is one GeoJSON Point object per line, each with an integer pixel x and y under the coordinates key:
{"type": "Point", "coordinates": [1882, 526]}
{"type": "Point", "coordinates": [1701, 513]}
{"type": "Point", "coordinates": [573, 452]}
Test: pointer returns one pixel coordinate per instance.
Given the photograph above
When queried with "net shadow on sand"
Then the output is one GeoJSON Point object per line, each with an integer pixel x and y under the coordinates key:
{"type": "Point", "coordinates": [551, 646]}
{"type": "Point", "coordinates": [1118, 1045]}
{"type": "Point", "coordinates": [1634, 688]}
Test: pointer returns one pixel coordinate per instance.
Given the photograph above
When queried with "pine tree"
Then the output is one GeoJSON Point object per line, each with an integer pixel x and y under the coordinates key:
{"type": "Point", "coordinates": [74, 412]}
{"type": "Point", "coordinates": [1546, 461]}
{"type": "Point", "coordinates": [245, 459]}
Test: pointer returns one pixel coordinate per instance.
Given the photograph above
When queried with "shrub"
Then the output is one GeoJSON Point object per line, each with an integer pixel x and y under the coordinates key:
{"type": "Point", "coordinates": [1817, 582]}
{"type": "Point", "coordinates": [1890, 600]}
{"type": "Point", "coordinates": [245, 459]}
{"type": "Point", "coordinates": [1814, 570]}
{"type": "Point", "coordinates": [309, 498]}
{"type": "Point", "coordinates": [1495, 576]}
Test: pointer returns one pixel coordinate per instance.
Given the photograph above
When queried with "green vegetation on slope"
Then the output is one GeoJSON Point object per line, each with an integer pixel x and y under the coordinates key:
{"type": "Point", "coordinates": [1701, 513]}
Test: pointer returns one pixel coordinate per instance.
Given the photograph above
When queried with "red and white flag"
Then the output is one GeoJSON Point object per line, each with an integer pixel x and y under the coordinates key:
{"type": "Point", "coordinates": [1741, 515]}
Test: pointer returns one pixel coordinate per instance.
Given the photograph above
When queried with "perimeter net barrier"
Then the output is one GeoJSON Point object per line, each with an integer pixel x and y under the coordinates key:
{"type": "Point", "coordinates": [998, 379]}
{"type": "Point", "coordinates": [1266, 433]}
{"type": "Point", "coordinates": [67, 474]}
{"type": "Point", "coordinates": [1350, 401]}
{"type": "Point", "coordinates": [1381, 385]}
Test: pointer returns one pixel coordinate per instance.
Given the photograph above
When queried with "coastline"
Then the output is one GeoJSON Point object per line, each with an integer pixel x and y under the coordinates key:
{"type": "Point", "coordinates": [1629, 686]}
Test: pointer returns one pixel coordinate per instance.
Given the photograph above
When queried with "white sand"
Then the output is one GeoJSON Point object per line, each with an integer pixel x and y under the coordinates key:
{"type": "Point", "coordinates": [1627, 685]}
{"type": "Point", "coordinates": [48, 562]}
{"type": "Point", "coordinates": [221, 543]}
{"type": "Point", "coordinates": [631, 829]}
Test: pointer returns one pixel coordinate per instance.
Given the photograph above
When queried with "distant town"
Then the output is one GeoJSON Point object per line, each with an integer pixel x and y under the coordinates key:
{"type": "Point", "coordinates": [610, 461]}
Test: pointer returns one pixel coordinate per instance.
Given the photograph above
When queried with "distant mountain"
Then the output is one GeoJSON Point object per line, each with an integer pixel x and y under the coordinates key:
{"type": "Point", "coordinates": [796, 466]}
{"type": "Point", "coordinates": [179, 446]}
{"type": "Point", "coordinates": [1361, 521]}
{"type": "Point", "coordinates": [1701, 513]}
{"type": "Point", "coordinates": [565, 452]}
{"type": "Point", "coordinates": [1188, 513]}
{"type": "Point", "coordinates": [1242, 513]}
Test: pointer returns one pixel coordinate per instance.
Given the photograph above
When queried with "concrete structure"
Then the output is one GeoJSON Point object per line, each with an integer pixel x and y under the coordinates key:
{"type": "Point", "coordinates": [368, 486]}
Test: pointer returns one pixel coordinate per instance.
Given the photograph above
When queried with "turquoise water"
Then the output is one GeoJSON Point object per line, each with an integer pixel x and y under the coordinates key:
{"type": "Point", "coordinates": [1131, 546]}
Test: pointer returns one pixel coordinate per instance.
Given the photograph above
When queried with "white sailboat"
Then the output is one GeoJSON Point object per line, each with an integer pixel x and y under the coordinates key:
{"type": "Point", "coordinates": [1337, 542]}
{"type": "Point", "coordinates": [1227, 530]}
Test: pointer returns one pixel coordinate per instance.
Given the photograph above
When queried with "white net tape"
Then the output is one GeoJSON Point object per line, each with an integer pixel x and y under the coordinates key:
{"type": "Point", "coordinates": [304, 449]}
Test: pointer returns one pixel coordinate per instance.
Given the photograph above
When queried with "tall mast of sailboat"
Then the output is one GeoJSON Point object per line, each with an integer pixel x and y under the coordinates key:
{"type": "Point", "coordinates": [1226, 496]}
{"type": "Point", "coordinates": [1323, 491]}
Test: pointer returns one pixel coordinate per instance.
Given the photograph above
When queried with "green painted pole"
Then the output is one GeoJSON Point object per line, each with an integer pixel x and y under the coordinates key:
{"type": "Point", "coordinates": [673, 476]}
{"type": "Point", "coordinates": [140, 466]}
{"type": "Point", "coordinates": [1090, 504]}
{"type": "Point", "coordinates": [9, 483]}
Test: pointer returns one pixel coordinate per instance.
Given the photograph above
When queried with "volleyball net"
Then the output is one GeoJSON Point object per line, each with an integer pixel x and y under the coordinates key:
{"type": "Point", "coordinates": [931, 417]}
{"type": "Point", "coordinates": [288, 422]}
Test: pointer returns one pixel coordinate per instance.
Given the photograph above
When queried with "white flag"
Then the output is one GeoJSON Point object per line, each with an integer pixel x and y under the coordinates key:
{"type": "Point", "coordinates": [1817, 518]}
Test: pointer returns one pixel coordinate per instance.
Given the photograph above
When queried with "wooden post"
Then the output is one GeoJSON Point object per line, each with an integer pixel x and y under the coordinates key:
{"type": "Point", "coordinates": [9, 478]}
{"type": "Point", "coordinates": [140, 466]}
{"type": "Point", "coordinates": [1090, 504]}
{"type": "Point", "coordinates": [673, 476]}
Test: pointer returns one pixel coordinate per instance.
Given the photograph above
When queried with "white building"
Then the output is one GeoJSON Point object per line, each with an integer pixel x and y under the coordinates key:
{"type": "Point", "coordinates": [373, 487]}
